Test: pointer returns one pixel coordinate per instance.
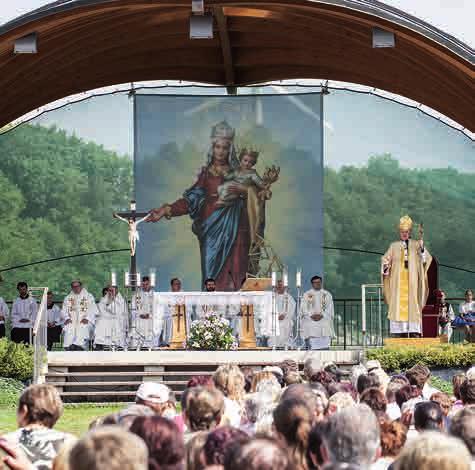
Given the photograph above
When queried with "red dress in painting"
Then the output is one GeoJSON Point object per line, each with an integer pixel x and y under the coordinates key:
{"type": "Point", "coordinates": [233, 271]}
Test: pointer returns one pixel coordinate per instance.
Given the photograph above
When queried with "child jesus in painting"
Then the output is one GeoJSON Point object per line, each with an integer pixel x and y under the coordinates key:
{"type": "Point", "coordinates": [245, 175]}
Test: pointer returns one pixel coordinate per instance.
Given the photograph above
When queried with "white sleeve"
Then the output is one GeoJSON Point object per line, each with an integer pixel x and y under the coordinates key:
{"type": "Point", "coordinates": [329, 311]}
{"type": "Point", "coordinates": [33, 310]}
{"type": "Point", "coordinates": [4, 308]}
{"type": "Point", "coordinates": [92, 311]}
{"type": "Point", "coordinates": [65, 316]}
{"type": "Point", "coordinates": [15, 314]}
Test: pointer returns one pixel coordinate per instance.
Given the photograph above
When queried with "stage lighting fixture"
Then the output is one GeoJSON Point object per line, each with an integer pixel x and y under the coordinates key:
{"type": "Point", "coordinates": [26, 44]}
{"type": "Point", "coordinates": [201, 27]}
{"type": "Point", "coordinates": [198, 7]}
{"type": "Point", "coordinates": [383, 38]}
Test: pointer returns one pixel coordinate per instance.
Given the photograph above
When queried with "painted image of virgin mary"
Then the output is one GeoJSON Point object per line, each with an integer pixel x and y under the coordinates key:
{"type": "Point", "coordinates": [223, 232]}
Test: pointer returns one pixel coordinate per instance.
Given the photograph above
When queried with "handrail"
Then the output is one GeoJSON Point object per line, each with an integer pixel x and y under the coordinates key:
{"type": "Point", "coordinates": [39, 336]}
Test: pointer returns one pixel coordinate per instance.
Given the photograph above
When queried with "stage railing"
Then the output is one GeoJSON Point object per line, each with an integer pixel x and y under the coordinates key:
{"type": "Point", "coordinates": [40, 335]}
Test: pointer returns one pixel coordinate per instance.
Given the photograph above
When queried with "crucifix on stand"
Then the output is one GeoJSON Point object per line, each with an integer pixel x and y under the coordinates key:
{"type": "Point", "coordinates": [133, 219]}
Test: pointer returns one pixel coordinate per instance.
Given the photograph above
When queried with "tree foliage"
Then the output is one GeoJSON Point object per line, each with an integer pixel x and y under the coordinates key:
{"type": "Point", "coordinates": [58, 193]}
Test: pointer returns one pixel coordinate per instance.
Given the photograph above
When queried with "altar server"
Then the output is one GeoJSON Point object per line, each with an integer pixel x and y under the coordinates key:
{"type": "Point", "coordinates": [24, 311]}
{"type": "Point", "coordinates": [112, 321]}
{"type": "Point", "coordinates": [79, 315]}
{"type": "Point", "coordinates": [147, 324]}
{"type": "Point", "coordinates": [285, 311]}
{"type": "Point", "coordinates": [317, 316]}
{"type": "Point", "coordinates": [54, 320]}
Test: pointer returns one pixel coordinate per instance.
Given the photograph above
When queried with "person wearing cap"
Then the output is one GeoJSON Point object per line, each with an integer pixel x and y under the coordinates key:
{"type": "Point", "coordinates": [158, 397]}
{"type": "Point", "coordinates": [316, 311]}
{"type": "Point", "coordinates": [404, 269]}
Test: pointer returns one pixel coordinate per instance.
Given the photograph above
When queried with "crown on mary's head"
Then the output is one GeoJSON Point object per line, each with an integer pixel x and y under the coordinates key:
{"type": "Point", "coordinates": [222, 130]}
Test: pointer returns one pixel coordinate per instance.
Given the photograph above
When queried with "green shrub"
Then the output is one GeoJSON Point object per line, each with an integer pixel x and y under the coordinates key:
{"type": "Point", "coordinates": [10, 390]}
{"type": "Point", "coordinates": [443, 356]}
{"type": "Point", "coordinates": [16, 360]}
{"type": "Point", "coordinates": [442, 385]}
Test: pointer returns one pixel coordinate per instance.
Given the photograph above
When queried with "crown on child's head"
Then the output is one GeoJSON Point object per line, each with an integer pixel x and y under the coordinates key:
{"type": "Point", "coordinates": [249, 151]}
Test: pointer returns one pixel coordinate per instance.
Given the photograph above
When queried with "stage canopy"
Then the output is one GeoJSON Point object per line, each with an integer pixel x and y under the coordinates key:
{"type": "Point", "coordinates": [86, 44]}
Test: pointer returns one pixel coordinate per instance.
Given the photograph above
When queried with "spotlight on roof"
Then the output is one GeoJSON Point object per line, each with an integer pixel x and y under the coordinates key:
{"type": "Point", "coordinates": [201, 27]}
{"type": "Point", "coordinates": [26, 44]}
{"type": "Point", "coordinates": [198, 7]}
{"type": "Point", "coordinates": [383, 38]}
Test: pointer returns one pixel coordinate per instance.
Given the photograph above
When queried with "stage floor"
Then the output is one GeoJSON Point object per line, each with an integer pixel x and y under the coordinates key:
{"type": "Point", "coordinates": [182, 357]}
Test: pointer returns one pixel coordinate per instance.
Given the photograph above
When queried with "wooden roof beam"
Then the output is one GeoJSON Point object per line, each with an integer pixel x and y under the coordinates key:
{"type": "Point", "coordinates": [222, 23]}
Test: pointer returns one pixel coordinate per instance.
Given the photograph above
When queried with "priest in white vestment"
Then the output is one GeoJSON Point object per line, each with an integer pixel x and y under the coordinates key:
{"type": "Point", "coordinates": [112, 321]}
{"type": "Point", "coordinates": [285, 312]}
{"type": "Point", "coordinates": [317, 314]}
{"type": "Point", "coordinates": [146, 321]}
{"type": "Point", "coordinates": [79, 315]}
{"type": "Point", "coordinates": [23, 315]}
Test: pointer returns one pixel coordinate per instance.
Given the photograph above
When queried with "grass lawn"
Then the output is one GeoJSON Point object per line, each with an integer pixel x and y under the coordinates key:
{"type": "Point", "coordinates": [75, 419]}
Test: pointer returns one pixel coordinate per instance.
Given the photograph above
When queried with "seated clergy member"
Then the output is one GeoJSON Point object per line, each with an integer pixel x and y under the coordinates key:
{"type": "Point", "coordinates": [112, 321]}
{"type": "Point", "coordinates": [317, 316]}
{"type": "Point", "coordinates": [79, 315]}
{"type": "Point", "coordinates": [210, 285]}
{"type": "Point", "coordinates": [54, 321]}
{"type": "Point", "coordinates": [24, 311]}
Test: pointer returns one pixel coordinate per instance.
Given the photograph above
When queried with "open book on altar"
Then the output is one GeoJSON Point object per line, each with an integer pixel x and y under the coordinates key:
{"type": "Point", "coordinates": [227, 304]}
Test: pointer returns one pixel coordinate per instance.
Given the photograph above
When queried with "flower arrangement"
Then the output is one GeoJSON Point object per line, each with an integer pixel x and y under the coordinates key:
{"type": "Point", "coordinates": [211, 332]}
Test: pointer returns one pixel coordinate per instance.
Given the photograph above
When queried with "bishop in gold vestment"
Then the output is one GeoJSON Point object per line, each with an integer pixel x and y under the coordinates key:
{"type": "Point", "coordinates": [405, 286]}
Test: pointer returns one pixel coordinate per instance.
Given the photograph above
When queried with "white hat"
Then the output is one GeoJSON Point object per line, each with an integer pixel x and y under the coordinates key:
{"type": "Point", "coordinates": [373, 364]}
{"type": "Point", "coordinates": [153, 392]}
{"type": "Point", "coordinates": [274, 369]}
{"type": "Point", "coordinates": [470, 374]}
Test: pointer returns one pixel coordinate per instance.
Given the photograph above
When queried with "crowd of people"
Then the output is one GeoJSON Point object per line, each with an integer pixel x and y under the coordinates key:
{"type": "Point", "coordinates": [271, 419]}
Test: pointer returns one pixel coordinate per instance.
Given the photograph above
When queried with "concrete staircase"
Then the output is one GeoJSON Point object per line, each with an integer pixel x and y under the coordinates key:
{"type": "Point", "coordinates": [115, 376]}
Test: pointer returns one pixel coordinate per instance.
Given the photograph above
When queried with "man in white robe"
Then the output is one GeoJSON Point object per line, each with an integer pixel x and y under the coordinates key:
{"type": "Point", "coordinates": [54, 320]}
{"type": "Point", "coordinates": [79, 315]}
{"type": "Point", "coordinates": [112, 321]}
{"type": "Point", "coordinates": [317, 314]}
{"type": "Point", "coordinates": [146, 322]}
{"type": "Point", "coordinates": [24, 312]}
{"type": "Point", "coordinates": [285, 311]}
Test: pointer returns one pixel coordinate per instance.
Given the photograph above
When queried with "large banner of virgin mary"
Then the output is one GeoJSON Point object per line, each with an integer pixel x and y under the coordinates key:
{"type": "Point", "coordinates": [236, 185]}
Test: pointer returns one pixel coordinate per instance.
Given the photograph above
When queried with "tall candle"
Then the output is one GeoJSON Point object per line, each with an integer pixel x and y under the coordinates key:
{"type": "Point", "coordinates": [113, 278]}
{"type": "Point", "coordinates": [274, 278]}
{"type": "Point", "coordinates": [285, 277]}
{"type": "Point", "coordinates": [153, 278]}
{"type": "Point", "coordinates": [299, 278]}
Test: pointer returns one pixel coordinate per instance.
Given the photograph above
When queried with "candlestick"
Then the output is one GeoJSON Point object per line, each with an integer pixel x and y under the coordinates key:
{"type": "Point", "coordinates": [138, 280]}
{"type": "Point", "coordinates": [298, 282]}
{"type": "Point", "coordinates": [153, 278]}
{"type": "Point", "coordinates": [274, 279]}
{"type": "Point", "coordinates": [285, 277]}
{"type": "Point", "coordinates": [114, 278]}
{"type": "Point", "coordinates": [126, 279]}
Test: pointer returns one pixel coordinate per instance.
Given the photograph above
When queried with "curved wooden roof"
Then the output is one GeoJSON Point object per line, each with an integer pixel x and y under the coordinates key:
{"type": "Point", "coordinates": [86, 44]}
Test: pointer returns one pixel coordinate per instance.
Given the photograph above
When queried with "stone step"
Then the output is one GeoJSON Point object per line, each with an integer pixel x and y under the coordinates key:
{"type": "Point", "coordinates": [110, 384]}
{"type": "Point", "coordinates": [128, 373]}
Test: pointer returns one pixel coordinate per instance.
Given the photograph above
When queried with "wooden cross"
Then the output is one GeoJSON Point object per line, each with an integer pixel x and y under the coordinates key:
{"type": "Point", "coordinates": [248, 313]}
